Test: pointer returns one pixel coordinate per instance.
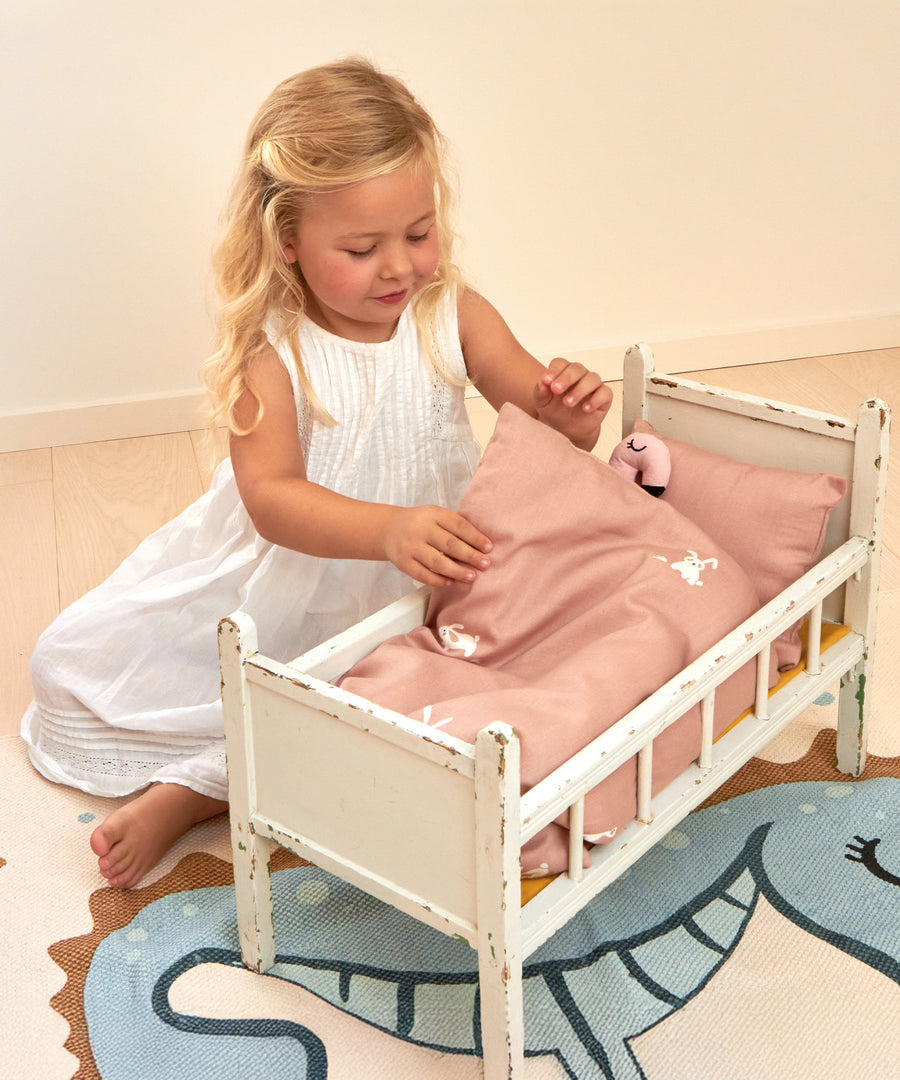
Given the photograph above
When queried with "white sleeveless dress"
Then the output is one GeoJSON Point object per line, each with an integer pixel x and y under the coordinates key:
{"type": "Point", "coordinates": [126, 680]}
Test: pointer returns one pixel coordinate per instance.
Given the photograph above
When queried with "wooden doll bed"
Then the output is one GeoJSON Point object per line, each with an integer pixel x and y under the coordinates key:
{"type": "Point", "coordinates": [434, 825]}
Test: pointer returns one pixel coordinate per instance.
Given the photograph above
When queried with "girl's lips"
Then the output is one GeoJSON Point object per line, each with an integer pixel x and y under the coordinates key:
{"type": "Point", "coordinates": [392, 298]}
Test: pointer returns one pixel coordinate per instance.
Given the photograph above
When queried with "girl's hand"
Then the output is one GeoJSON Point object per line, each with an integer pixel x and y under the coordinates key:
{"type": "Point", "coordinates": [572, 400]}
{"type": "Point", "coordinates": [435, 546]}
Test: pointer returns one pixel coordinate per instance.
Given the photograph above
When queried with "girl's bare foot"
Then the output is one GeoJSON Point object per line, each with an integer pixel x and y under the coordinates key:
{"type": "Point", "coordinates": [133, 839]}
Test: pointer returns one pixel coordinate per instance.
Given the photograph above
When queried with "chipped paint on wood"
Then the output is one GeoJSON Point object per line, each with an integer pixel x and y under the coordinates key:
{"type": "Point", "coordinates": [860, 696]}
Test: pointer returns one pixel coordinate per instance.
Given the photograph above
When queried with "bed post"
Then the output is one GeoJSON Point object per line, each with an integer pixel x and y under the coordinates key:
{"type": "Point", "coordinates": [498, 900]}
{"type": "Point", "coordinates": [870, 465]}
{"type": "Point", "coordinates": [250, 853]}
{"type": "Point", "coordinates": [638, 366]}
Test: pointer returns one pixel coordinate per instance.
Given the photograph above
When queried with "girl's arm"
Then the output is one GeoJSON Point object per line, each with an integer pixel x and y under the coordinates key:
{"type": "Point", "coordinates": [565, 396]}
{"type": "Point", "coordinates": [431, 544]}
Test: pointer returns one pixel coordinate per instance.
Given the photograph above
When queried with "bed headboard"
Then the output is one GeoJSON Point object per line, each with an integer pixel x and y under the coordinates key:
{"type": "Point", "coordinates": [765, 432]}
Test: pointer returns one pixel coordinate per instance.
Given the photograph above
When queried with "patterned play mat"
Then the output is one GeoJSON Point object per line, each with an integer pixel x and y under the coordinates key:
{"type": "Point", "coordinates": [761, 939]}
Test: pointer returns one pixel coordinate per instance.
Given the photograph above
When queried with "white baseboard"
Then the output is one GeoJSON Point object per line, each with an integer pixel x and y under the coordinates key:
{"type": "Point", "coordinates": [751, 347]}
{"type": "Point", "coordinates": [160, 414]}
{"type": "Point", "coordinates": [101, 421]}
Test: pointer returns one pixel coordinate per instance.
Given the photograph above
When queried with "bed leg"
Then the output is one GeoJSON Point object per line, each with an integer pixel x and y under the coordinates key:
{"type": "Point", "coordinates": [253, 898]}
{"type": "Point", "coordinates": [499, 902]}
{"type": "Point", "coordinates": [853, 716]}
{"type": "Point", "coordinates": [861, 598]}
{"type": "Point", "coordinates": [250, 853]}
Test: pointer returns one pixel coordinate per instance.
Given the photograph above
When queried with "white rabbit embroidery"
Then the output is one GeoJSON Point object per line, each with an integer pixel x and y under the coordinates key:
{"type": "Point", "coordinates": [691, 566]}
{"type": "Point", "coordinates": [452, 638]}
{"type": "Point", "coordinates": [426, 718]}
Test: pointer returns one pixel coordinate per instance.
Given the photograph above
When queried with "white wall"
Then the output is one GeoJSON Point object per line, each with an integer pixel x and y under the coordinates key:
{"type": "Point", "coordinates": [630, 169]}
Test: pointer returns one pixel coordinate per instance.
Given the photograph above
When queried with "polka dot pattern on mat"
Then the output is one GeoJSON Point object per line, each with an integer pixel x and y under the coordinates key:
{"type": "Point", "coordinates": [675, 840]}
{"type": "Point", "coordinates": [313, 893]}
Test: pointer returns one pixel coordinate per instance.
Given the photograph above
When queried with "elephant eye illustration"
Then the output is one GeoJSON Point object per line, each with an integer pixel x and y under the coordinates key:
{"type": "Point", "coordinates": [637, 449]}
{"type": "Point", "coordinates": [865, 854]}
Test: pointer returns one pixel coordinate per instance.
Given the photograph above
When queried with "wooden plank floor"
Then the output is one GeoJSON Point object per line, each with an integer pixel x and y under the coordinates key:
{"type": "Point", "coordinates": [68, 515]}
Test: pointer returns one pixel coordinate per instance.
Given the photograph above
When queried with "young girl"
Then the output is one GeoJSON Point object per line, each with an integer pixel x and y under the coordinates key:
{"type": "Point", "coordinates": [345, 340]}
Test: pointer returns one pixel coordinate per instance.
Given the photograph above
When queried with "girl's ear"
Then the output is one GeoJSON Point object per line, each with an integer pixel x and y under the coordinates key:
{"type": "Point", "coordinates": [288, 241]}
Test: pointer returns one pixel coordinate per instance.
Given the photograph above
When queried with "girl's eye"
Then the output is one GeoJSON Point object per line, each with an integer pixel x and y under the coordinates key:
{"type": "Point", "coordinates": [420, 238]}
{"type": "Point", "coordinates": [361, 254]}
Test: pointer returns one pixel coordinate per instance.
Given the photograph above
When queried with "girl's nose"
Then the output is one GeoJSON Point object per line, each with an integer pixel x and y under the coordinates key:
{"type": "Point", "coordinates": [396, 262]}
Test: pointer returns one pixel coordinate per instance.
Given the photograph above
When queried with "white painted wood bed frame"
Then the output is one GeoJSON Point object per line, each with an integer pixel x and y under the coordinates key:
{"type": "Point", "coordinates": [433, 825]}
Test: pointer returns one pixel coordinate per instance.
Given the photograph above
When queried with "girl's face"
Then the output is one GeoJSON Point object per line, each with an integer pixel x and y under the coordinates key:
{"type": "Point", "coordinates": [366, 250]}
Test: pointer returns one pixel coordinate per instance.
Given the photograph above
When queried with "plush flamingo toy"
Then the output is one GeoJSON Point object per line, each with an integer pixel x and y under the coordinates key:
{"type": "Point", "coordinates": [645, 459]}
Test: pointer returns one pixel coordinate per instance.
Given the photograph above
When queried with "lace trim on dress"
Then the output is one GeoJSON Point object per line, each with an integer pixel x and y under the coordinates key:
{"type": "Point", "coordinates": [304, 422]}
{"type": "Point", "coordinates": [447, 364]}
{"type": "Point", "coordinates": [87, 747]}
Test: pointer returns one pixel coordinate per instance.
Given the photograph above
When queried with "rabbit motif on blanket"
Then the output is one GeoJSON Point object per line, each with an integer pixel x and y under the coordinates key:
{"type": "Point", "coordinates": [453, 638]}
{"type": "Point", "coordinates": [691, 566]}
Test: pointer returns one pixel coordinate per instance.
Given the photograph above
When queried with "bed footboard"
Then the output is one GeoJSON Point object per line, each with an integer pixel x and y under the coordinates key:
{"type": "Point", "coordinates": [417, 818]}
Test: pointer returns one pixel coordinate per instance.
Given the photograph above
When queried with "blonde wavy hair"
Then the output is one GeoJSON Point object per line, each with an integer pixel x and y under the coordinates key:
{"type": "Point", "coordinates": [318, 131]}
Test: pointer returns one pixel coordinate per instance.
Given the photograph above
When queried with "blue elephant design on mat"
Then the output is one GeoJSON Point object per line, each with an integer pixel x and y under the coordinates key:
{"type": "Point", "coordinates": [821, 853]}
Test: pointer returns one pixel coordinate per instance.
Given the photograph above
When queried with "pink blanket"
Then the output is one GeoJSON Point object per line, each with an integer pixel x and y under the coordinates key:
{"type": "Point", "coordinates": [598, 594]}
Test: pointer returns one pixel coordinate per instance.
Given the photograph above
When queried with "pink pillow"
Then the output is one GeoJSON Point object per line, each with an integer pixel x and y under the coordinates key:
{"type": "Point", "coordinates": [772, 521]}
